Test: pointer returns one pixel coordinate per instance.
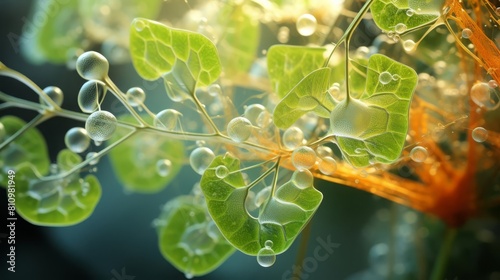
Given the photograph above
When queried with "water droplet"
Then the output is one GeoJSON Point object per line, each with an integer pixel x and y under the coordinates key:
{"type": "Point", "coordinates": [262, 196]}
{"type": "Point", "coordinates": [266, 257]}
{"type": "Point", "coordinates": [269, 244]}
{"type": "Point", "coordinates": [139, 25]}
{"type": "Point", "coordinates": [306, 24]}
{"type": "Point", "coordinates": [221, 171]}
{"type": "Point", "coordinates": [409, 45]}
{"type": "Point", "coordinates": [239, 129]}
{"type": "Point", "coordinates": [101, 125]}
{"type": "Point", "coordinates": [492, 84]}
{"type": "Point", "coordinates": [135, 96]}
{"type": "Point", "coordinates": [163, 167]}
{"type": "Point", "coordinates": [293, 137]}
{"type": "Point", "coordinates": [400, 28]}
{"type": "Point", "coordinates": [77, 139]}
{"type": "Point", "coordinates": [214, 90]}
{"type": "Point", "coordinates": [92, 155]}
{"type": "Point", "coordinates": [54, 93]}
{"type": "Point", "coordinates": [466, 33]}
{"type": "Point", "coordinates": [200, 159]}
{"type": "Point", "coordinates": [303, 179]}
{"type": "Point", "coordinates": [418, 154]}
{"type": "Point", "coordinates": [396, 77]}
{"type": "Point", "coordinates": [167, 119]}
{"type": "Point", "coordinates": [324, 151]}
{"type": "Point", "coordinates": [410, 12]}
{"type": "Point", "coordinates": [303, 158]}
{"type": "Point", "coordinates": [91, 96]}
{"type": "Point", "coordinates": [327, 165]}
{"type": "Point", "coordinates": [92, 66]}
{"type": "Point", "coordinates": [479, 134]}
{"type": "Point", "coordinates": [385, 78]}
{"type": "Point", "coordinates": [485, 96]}
{"type": "Point", "coordinates": [283, 34]}
{"type": "Point", "coordinates": [253, 111]}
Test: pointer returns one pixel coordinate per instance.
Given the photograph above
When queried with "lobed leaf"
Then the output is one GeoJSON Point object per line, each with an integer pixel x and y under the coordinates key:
{"type": "Point", "coordinates": [388, 13]}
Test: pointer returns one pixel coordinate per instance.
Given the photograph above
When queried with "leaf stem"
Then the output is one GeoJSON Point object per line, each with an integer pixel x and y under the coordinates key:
{"type": "Point", "coordinates": [444, 254]}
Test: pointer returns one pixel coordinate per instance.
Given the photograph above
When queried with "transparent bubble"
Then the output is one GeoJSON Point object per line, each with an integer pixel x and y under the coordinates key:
{"type": "Point", "coordinates": [262, 196]}
{"type": "Point", "coordinates": [396, 77]}
{"type": "Point", "coordinates": [400, 28]}
{"type": "Point", "coordinates": [92, 155]}
{"type": "Point", "coordinates": [167, 119]}
{"type": "Point", "coordinates": [302, 179]}
{"type": "Point", "coordinates": [418, 154]}
{"type": "Point", "coordinates": [200, 159]}
{"type": "Point", "coordinates": [385, 78]}
{"type": "Point", "coordinates": [293, 137]}
{"type": "Point", "coordinates": [77, 139]}
{"type": "Point", "coordinates": [264, 119]}
{"type": "Point", "coordinates": [303, 158]}
{"type": "Point", "coordinates": [253, 111]}
{"type": "Point", "coordinates": [135, 96]}
{"type": "Point", "coordinates": [221, 171]}
{"type": "Point", "coordinates": [239, 129]}
{"type": "Point", "coordinates": [214, 90]}
{"type": "Point", "coordinates": [91, 96]}
{"type": "Point", "coordinates": [101, 125]}
{"type": "Point", "coordinates": [283, 34]}
{"type": "Point", "coordinates": [92, 66]}
{"type": "Point", "coordinates": [479, 134]}
{"type": "Point", "coordinates": [269, 243]}
{"type": "Point", "coordinates": [492, 84]}
{"type": "Point", "coordinates": [139, 25]}
{"type": "Point", "coordinates": [485, 96]}
{"type": "Point", "coordinates": [55, 93]}
{"type": "Point", "coordinates": [327, 165]}
{"type": "Point", "coordinates": [410, 12]}
{"type": "Point", "coordinates": [266, 257]}
{"type": "Point", "coordinates": [409, 45]}
{"type": "Point", "coordinates": [163, 167]}
{"type": "Point", "coordinates": [306, 24]}
{"type": "Point", "coordinates": [466, 33]}
{"type": "Point", "coordinates": [324, 151]}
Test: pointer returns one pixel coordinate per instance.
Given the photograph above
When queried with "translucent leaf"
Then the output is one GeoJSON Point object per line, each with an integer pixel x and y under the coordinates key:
{"type": "Point", "coordinates": [28, 149]}
{"type": "Point", "coordinates": [387, 14]}
{"type": "Point", "coordinates": [281, 217]}
{"type": "Point", "coordinates": [288, 65]}
{"type": "Point", "coordinates": [309, 95]}
{"type": "Point", "coordinates": [357, 76]}
{"type": "Point", "coordinates": [373, 128]}
{"type": "Point", "coordinates": [135, 160]}
{"type": "Point", "coordinates": [56, 200]}
{"type": "Point", "coordinates": [184, 59]}
{"type": "Point", "coordinates": [189, 239]}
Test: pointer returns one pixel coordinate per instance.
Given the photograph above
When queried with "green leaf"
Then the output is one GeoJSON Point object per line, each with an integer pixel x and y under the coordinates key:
{"type": "Point", "coordinates": [288, 65]}
{"type": "Point", "coordinates": [28, 149]}
{"type": "Point", "coordinates": [189, 239]}
{"type": "Point", "coordinates": [184, 59]}
{"type": "Point", "coordinates": [357, 76]}
{"type": "Point", "coordinates": [388, 13]}
{"type": "Point", "coordinates": [281, 217]}
{"type": "Point", "coordinates": [56, 200]}
{"type": "Point", "coordinates": [309, 95]}
{"type": "Point", "coordinates": [373, 128]}
{"type": "Point", "coordinates": [134, 161]}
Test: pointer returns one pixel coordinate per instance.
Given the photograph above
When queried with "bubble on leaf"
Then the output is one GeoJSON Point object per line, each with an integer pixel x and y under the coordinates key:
{"type": "Point", "coordinates": [327, 165]}
{"type": "Point", "coordinates": [418, 154]}
{"type": "Point", "coordinates": [303, 178]}
{"type": "Point", "coordinates": [303, 158]}
{"type": "Point", "coordinates": [77, 139]}
{"type": "Point", "coordinates": [485, 96]}
{"type": "Point", "coordinates": [262, 196]}
{"type": "Point", "coordinates": [139, 25]}
{"type": "Point", "coordinates": [466, 33]}
{"type": "Point", "coordinates": [101, 125]}
{"type": "Point", "coordinates": [163, 167]}
{"type": "Point", "coordinates": [167, 119]}
{"type": "Point", "coordinates": [396, 77]}
{"type": "Point", "coordinates": [400, 28]}
{"type": "Point", "coordinates": [93, 159]}
{"type": "Point", "coordinates": [409, 45]}
{"type": "Point", "coordinates": [385, 78]}
{"type": "Point", "coordinates": [293, 137]}
{"type": "Point", "coordinates": [239, 129]}
{"type": "Point", "coordinates": [91, 96]}
{"type": "Point", "coordinates": [410, 12]}
{"type": "Point", "coordinates": [135, 96]}
{"type": "Point", "coordinates": [306, 24]}
{"type": "Point", "coordinates": [92, 66]}
{"type": "Point", "coordinates": [221, 171]}
{"type": "Point", "coordinates": [479, 134]}
{"type": "Point", "coordinates": [253, 111]}
{"type": "Point", "coordinates": [54, 93]}
{"type": "Point", "coordinates": [266, 257]}
{"type": "Point", "coordinates": [200, 159]}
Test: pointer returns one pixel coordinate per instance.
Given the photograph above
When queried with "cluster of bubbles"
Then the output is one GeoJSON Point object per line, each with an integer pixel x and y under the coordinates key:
{"type": "Point", "coordinates": [386, 77]}
{"type": "Point", "coordinates": [306, 24]}
{"type": "Point", "coordinates": [200, 158]}
{"type": "Point", "coordinates": [266, 256]}
{"type": "Point", "coordinates": [327, 164]}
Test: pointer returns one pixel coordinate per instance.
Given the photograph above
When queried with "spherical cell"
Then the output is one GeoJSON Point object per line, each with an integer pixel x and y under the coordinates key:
{"type": "Point", "coordinates": [253, 111]}
{"type": "Point", "coordinates": [55, 94]}
{"type": "Point", "coordinates": [293, 137]}
{"type": "Point", "coordinates": [135, 96]}
{"type": "Point", "coordinates": [385, 78]}
{"type": "Point", "coordinates": [479, 134]}
{"type": "Point", "coordinates": [167, 119]}
{"type": "Point", "coordinates": [92, 66]}
{"type": "Point", "coordinates": [266, 257]}
{"type": "Point", "coordinates": [91, 96]}
{"type": "Point", "coordinates": [306, 24]}
{"type": "Point", "coordinates": [101, 125]}
{"type": "Point", "coordinates": [200, 159]}
{"type": "Point", "coordinates": [221, 171]}
{"type": "Point", "coordinates": [418, 154]}
{"type": "Point", "coordinates": [302, 179]}
{"type": "Point", "coordinates": [327, 165]}
{"type": "Point", "coordinates": [77, 139]}
{"type": "Point", "coordinates": [239, 129]}
{"type": "Point", "coordinates": [303, 158]}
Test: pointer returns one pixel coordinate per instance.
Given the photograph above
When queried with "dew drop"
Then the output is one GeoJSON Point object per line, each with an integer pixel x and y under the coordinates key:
{"type": "Point", "coordinates": [55, 94]}
{"type": "Point", "coordinates": [221, 171]}
{"type": "Point", "coordinates": [266, 257]}
{"type": "Point", "coordinates": [385, 78]}
{"type": "Point", "coordinates": [163, 167]}
{"type": "Point", "coordinates": [479, 134]}
{"type": "Point", "coordinates": [239, 129]}
{"type": "Point", "coordinates": [93, 159]}
{"type": "Point", "coordinates": [466, 33]}
{"type": "Point", "coordinates": [253, 111]}
{"type": "Point", "coordinates": [302, 179]}
{"type": "Point", "coordinates": [200, 159]}
{"type": "Point", "coordinates": [77, 139]}
{"type": "Point", "coordinates": [101, 125]}
{"type": "Point", "coordinates": [167, 119]}
{"type": "Point", "coordinates": [92, 66]}
{"type": "Point", "coordinates": [396, 77]}
{"type": "Point", "coordinates": [485, 96]}
{"type": "Point", "coordinates": [410, 12]}
{"type": "Point", "coordinates": [409, 45]}
{"type": "Point", "coordinates": [327, 165]}
{"type": "Point", "coordinates": [91, 96]}
{"type": "Point", "coordinates": [293, 137]}
{"type": "Point", "coordinates": [400, 28]}
{"type": "Point", "coordinates": [306, 24]}
{"type": "Point", "coordinates": [135, 96]}
{"type": "Point", "coordinates": [139, 25]}
{"type": "Point", "coordinates": [303, 158]}
{"type": "Point", "coordinates": [418, 154]}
